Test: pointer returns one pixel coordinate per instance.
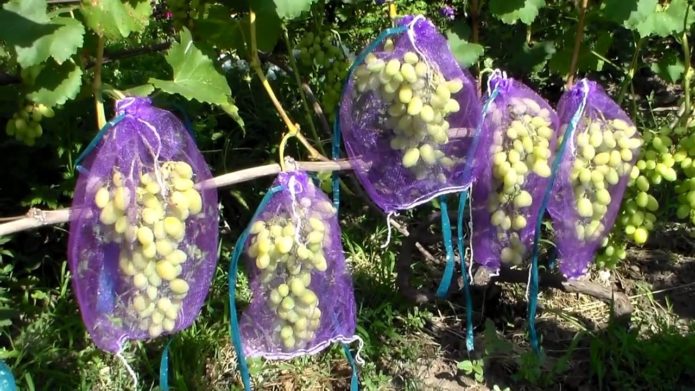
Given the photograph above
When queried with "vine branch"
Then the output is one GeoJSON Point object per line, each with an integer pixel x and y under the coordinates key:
{"type": "Point", "coordinates": [36, 218]}
{"type": "Point", "coordinates": [578, 39]}
{"type": "Point", "coordinates": [98, 99]}
{"type": "Point", "coordinates": [293, 129]}
{"type": "Point", "coordinates": [686, 77]}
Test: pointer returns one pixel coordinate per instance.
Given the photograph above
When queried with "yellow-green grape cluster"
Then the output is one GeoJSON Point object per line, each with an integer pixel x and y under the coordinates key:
{"type": "Point", "coordinates": [613, 251]}
{"type": "Point", "coordinates": [685, 156]}
{"type": "Point", "coordinates": [603, 155]}
{"type": "Point", "coordinates": [418, 100]}
{"type": "Point", "coordinates": [25, 125]}
{"type": "Point", "coordinates": [286, 254]}
{"type": "Point", "coordinates": [322, 55]}
{"type": "Point", "coordinates": [520, 147]}
{"type": "Point", "coordinates": [152, 252]}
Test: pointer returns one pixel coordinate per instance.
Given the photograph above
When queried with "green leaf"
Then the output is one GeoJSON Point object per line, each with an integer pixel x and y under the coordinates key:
{"type": "Point", "coordinates": [670, 68]}
{"type": "Point", "coordinates": [35, 37]}
{"type": "Point", "coordinates": [56, 84]}
{"type": "Point", "coordinates": [466, 53]}
{"type": "Point", "coordinates": [649, 17]}
{"type": "Point", "coordinates": [291, 9]}
{"type": "Point", "coordinates": [509, 11]}
{"type": "Point", "coordinates": [268, 24]}
{"type": "Point", "coordinates": [587, 60]}
{"type": "Point", "coordinates": [466, 366]}
{"type": "Point", "coordinates": [60, 45]}
{"type": "Point", "coordinates": [525, 57]}
{"type": "Point", "coordinates": [115, 19]}
{"type": "Point", "coordinates": [142, 90]}
{"type": "Point", "coordinates": [218, 29]}
{"type": "Point", "coordinates": [23, 22]}
{"type": "Point", "coordinates": [195, 77]}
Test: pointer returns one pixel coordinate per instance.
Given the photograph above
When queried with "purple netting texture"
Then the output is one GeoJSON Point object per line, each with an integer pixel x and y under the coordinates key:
{"type": "Point", "coordinates": [506, 195]}
{"type": "Point", "coordinates": [408, 115]}
{"type": "Point", "coordinates": [593, 174]}
{"type": "Point", "coordinates": [143, 237]}
{"type": "Point", "coordinates": [302, 297]}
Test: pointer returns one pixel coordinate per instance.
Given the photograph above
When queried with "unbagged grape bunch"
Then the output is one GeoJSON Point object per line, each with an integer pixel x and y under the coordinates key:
{"type": "Point", "coordinates": [286, 254]}
{"type": "Point", "coordinates": [153, 261]}
{"type": "Point", "coordinates": [418, 99]}
{"type": "Point", "coordinates": [520, 147]}
{"type": "Point", "coordinates": [604, 155]}
{"type": "Point", "coordinates": [25, 125]}
{"type": "Point", "coordinates": [321, 55]}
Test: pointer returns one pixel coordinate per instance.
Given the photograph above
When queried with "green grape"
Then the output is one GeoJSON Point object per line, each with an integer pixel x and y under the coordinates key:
{"type": "Point", "coordinates": [417, 101]}
{"type": "Point", "coordinates": [520, 148]}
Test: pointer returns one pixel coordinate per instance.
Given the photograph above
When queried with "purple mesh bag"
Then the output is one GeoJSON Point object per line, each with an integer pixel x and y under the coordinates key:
{"type": "Point", "coordinates": [516, 168]}
{"type": "Point", "coordinates": [143, 237]}
{"type": "Point", "coordinates": [302, 296]}
{"type": "Point", "coordinates": [593, 174]}
{"type": "Point", "coordinates": [408, 116]}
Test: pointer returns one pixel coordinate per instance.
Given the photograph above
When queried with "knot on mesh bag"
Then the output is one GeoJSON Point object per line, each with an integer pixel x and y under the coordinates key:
{"type": "Point", "coordinates": [143, 235]}
{"type": "Point", "coordinates": [601, 152]}
{"type": "Point", "coordinates": [302, 296]}
{"type": "Point", "coordinates": [408, 116]}
{"type": "Point", "coordinates": [516, 169]}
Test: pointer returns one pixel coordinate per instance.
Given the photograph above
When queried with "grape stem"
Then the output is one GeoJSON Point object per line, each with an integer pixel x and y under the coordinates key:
{"type": "Point", "coordinates": [630, 72]}
{"type": "Point", "coordinates": [687, 75]}
{"type": "Point", "coordinates": [98, 99]}
{"type": "Point", "coordinates": [578, 39]}
{"type": "Point", "coordinates": [36, 218]}
{"type": "Point", "coordinates": [293, 129]}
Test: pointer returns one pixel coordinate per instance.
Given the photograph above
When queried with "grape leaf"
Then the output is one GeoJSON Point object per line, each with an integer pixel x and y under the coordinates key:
{"type": "Point", "coordinates": [509, 11]}
{"type": "Point", "coordinates": [649, 17]}
{"type": "Point", "coordinates": [587, 60]}
{"type": "Point", "coordinates": [56, 83]}
{"type": "Point", "coordinates": [217, 29]}
{"type": "Point", "coordinates": [291, 9]}
{"type": "Point", "coordinates": [466, 53]}
{"type": "Point", "coordinates": [195, 76]}
{"type": "Point", "coordinates": [268, 24]}
{"type": "Point", "coordinates": [670, 68]}
{"type": "Point", "coordinates": [60, 45]}
{"type": "Point", "coordinates": [35, 37]}
{"type": "Point", "coordinates": [115, 19]}
{"type": "Point", "coordinates": [141, 90]}
{"type": "Point", "coordinates": [666, 19]}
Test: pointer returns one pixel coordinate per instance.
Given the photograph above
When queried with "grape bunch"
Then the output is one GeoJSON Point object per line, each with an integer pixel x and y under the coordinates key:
{"type": "Point", "coordinates": [324, 58]}
{"type": "Point", "coordinates": [286, 252]}
{"type": "Point", "coordinates": [613, 251]}
{"type": "Point", "coordinates": [418, 99]}
{"type": "Point", "coordinates": [25, 125]}
{"type": "Point", "coordinates": [150, 226]}
{"type": "Point", "coordinates": [685, 156]}
{"type": "Point", "coordinates": [521, 146]}
{"type": "Point", "coordinates": [604, 154]}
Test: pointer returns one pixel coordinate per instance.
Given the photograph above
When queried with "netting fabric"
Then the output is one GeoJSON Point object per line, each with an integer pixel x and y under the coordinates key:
{"type": "Point", "coordinates": [408, 116]}
{"type": "Point", "coordinates": [143, 235]}
{"type": "Point", "coordinates": [302, 295]}
{"type": "Point", "coordinates": [593, 174]}
{"type": "Point", "coordinates": [516, 168]}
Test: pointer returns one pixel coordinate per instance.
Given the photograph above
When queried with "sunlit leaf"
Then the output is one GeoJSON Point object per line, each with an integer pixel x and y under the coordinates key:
{"type": "Point", "coordinates": [116, 19]}
{"type": "Point", "coordinates": [55, 84]}
{"type": "Point", "coordinates": [510, 11]}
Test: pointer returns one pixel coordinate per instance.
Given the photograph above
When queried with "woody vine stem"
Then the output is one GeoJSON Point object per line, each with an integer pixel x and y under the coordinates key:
{"type": "Point", "coordinates": [293, 129]}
